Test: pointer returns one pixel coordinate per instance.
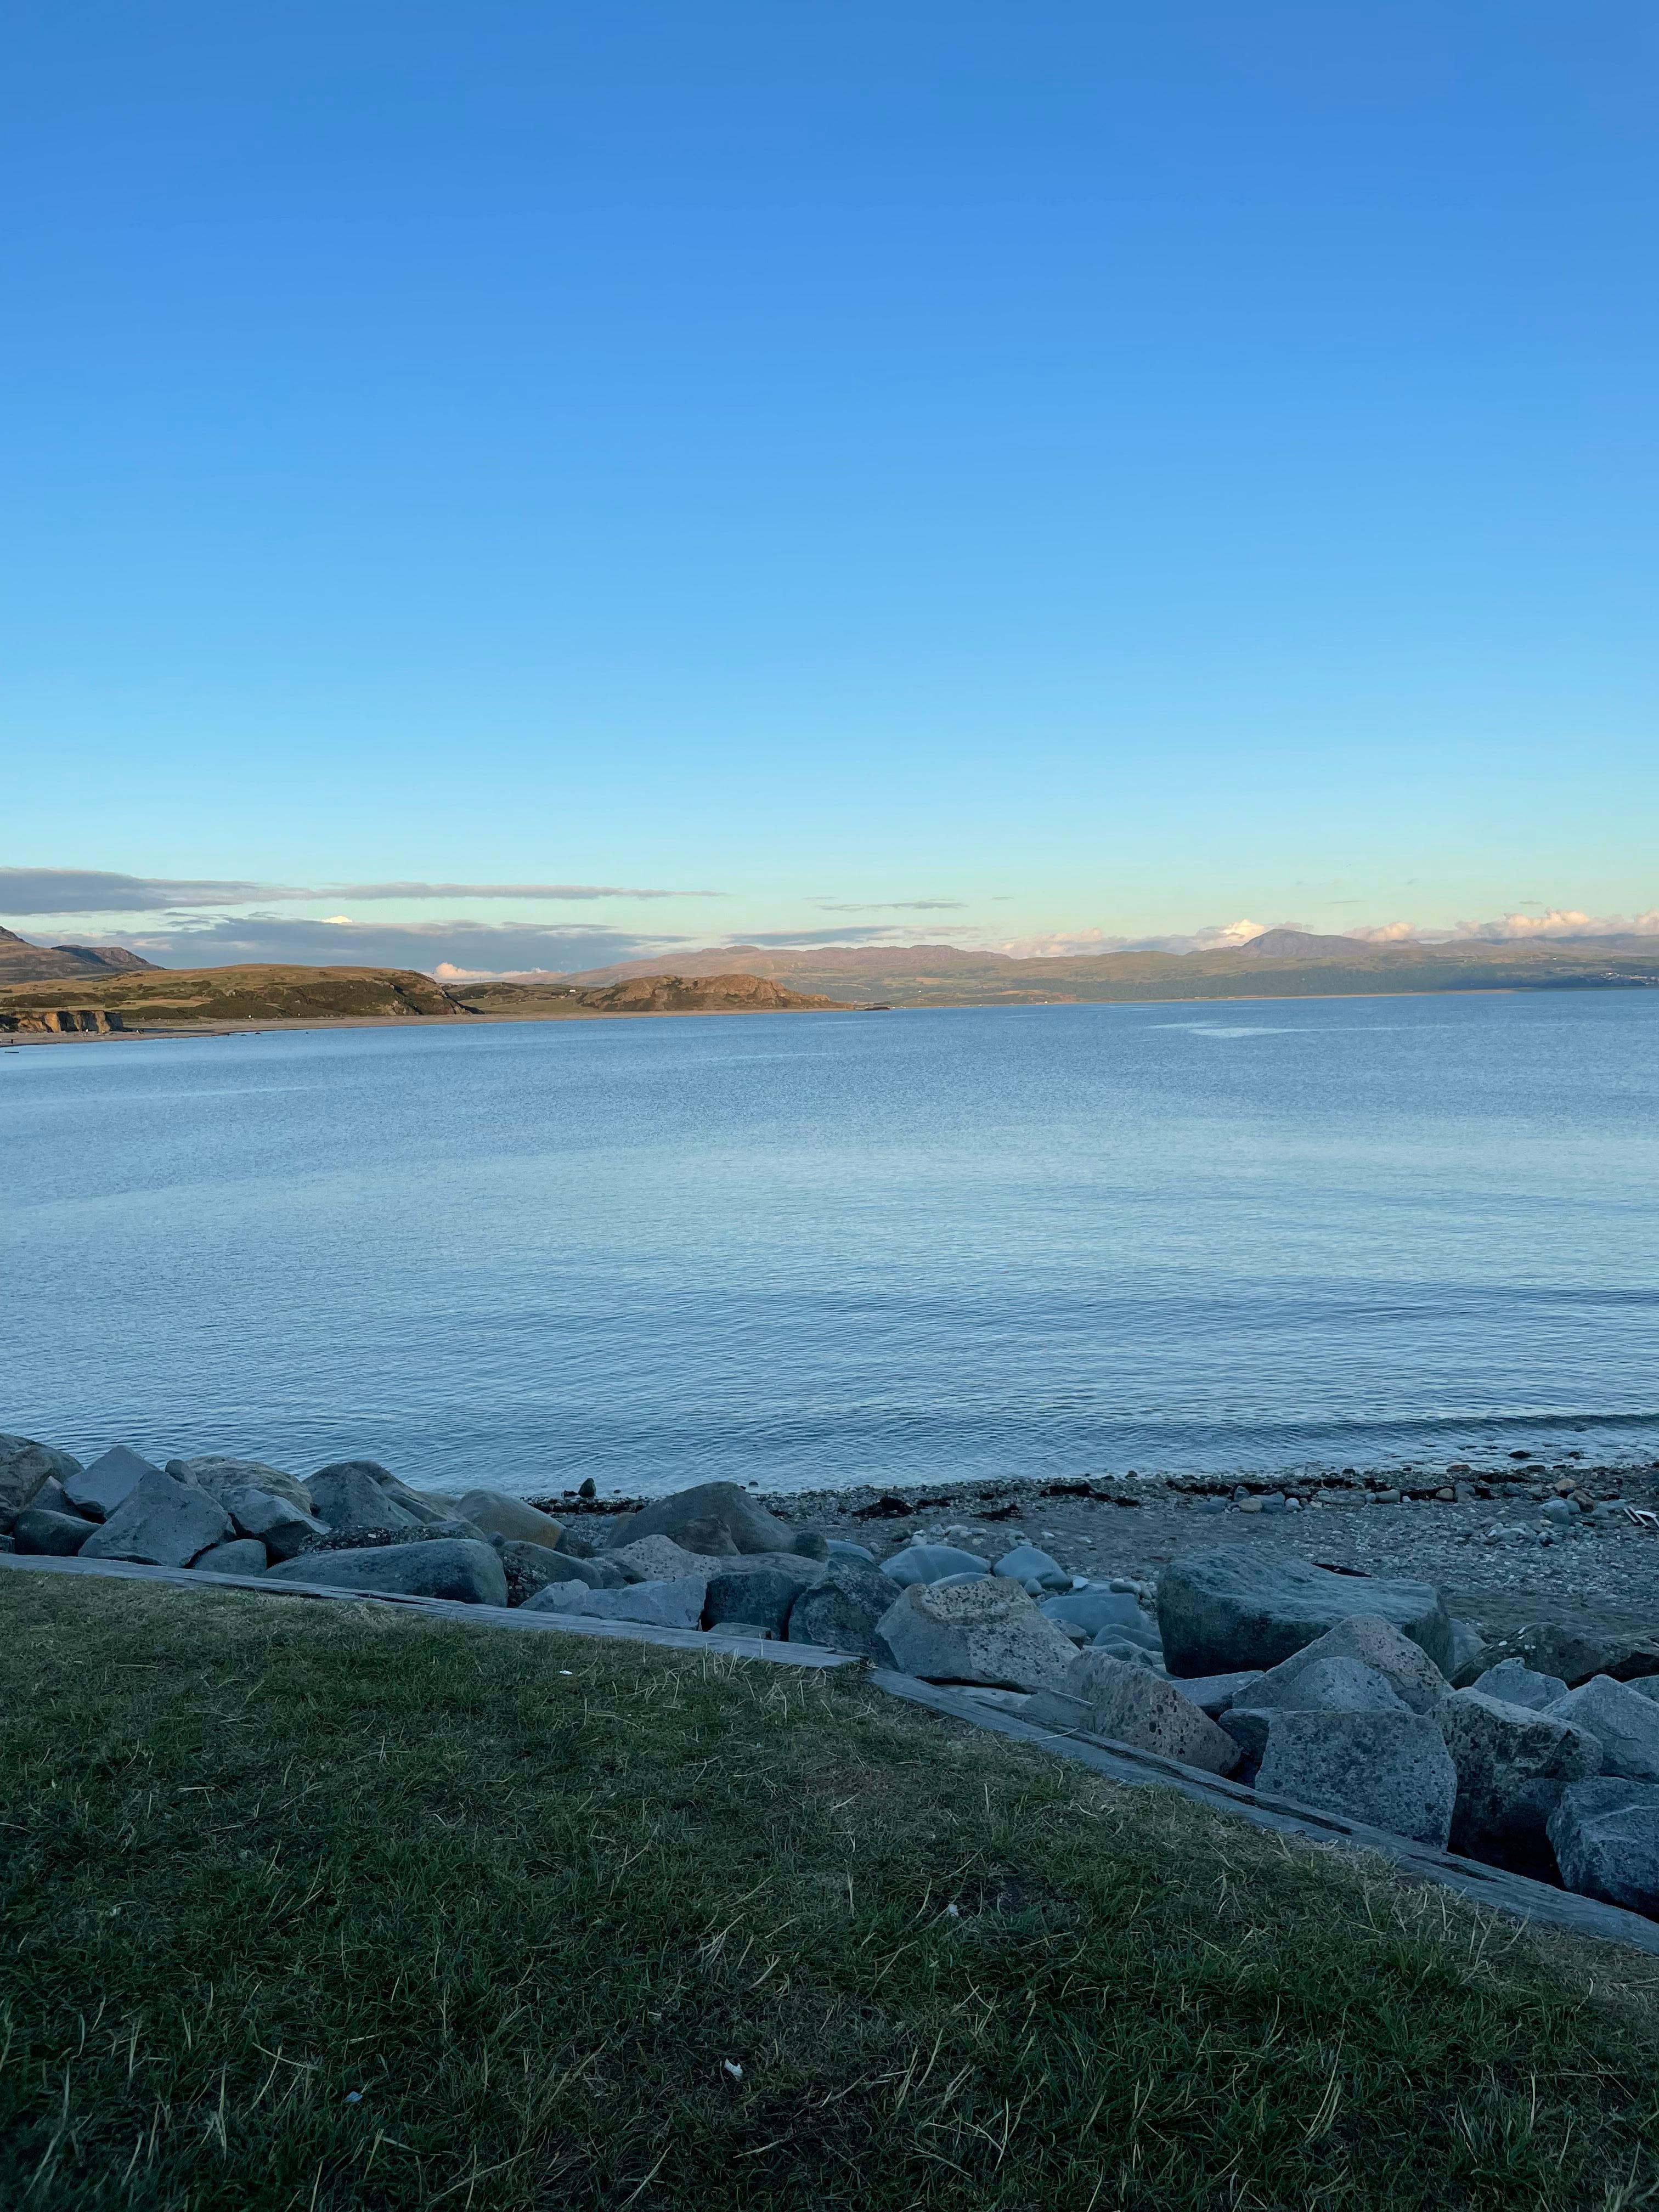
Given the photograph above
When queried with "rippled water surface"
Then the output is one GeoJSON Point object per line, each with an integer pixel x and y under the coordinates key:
{"type": "Point", "coordinates": [803, 1250]}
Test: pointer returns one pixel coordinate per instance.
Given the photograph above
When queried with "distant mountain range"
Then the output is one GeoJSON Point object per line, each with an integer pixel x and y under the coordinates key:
{"type": "Point", "coordinates": [24, 963]}
{"type": "Point", "coordinates": [1279, 964]}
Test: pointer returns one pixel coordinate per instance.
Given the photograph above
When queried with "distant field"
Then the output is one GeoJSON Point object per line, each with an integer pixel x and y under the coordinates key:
{"type": "Point", "coordinates": [324, 1909]}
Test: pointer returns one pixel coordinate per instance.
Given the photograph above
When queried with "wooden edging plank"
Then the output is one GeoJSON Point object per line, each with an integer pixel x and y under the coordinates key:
{"type": "Point", "coordinates": [1512, 1894]}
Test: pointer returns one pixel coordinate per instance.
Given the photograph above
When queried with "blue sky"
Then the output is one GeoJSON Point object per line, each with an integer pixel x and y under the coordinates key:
{"type": "Point", "coordinates": [1023, 474]}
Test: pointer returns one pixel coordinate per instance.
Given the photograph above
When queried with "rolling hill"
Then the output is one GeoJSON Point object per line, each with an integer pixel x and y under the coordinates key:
{"type": "Point", "coordinates": [24, 963]}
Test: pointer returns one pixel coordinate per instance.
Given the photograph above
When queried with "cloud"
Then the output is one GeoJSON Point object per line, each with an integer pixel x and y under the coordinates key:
{"type": "Point", "coordinates": [475, 948]}
{"type": "Point", "coordinates": [25, 892]}
{"type": "Point", "coordinates": [891, 905]}
{"type": "Point", "coordinates": [1562, 921]}
{"type": "Point", "coordinates": [1386, 933]}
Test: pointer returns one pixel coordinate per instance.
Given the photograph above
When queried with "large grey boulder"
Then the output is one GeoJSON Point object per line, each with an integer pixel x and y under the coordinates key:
{"type": "Point", "coordinates": [498, 1515]}
{"type": "Point", "coordinates": [985, 1631]}
{"type": "Point", "coordinates": [758, 1603]}
{"type": "Point", "coordinates": [658, 1559]}
{"type": "Point", "coordinates": [841, 1611]}
{"type": "Point", "coordinates": [559, 1597]}
{"type": "Point", "coordinates": [529, 1568]}
{"type": "Point", "coordinates": [1215, 1693]}
{"type": "Point", "coordinates": [1219, 1611]}
{"type": "Point", "coordinates": [1624, 1722]}
{"type": "Point", "coordinates": [714, 1518]}
{"type": "Point", "coordinates": [25, 1464]}
{"type": "Point", "coordinates": [99, 1490]}
{"type": "Point", "coordinates": [1131, 1706]}
{"type": "Point", "coordinates": [1362, 1641]}
{"type": "Point", "coordinates": [1512, 1682]}
{"type": "Point", "coordinates": [1026, 1563]}
{"type": "Point", "coordinates": [461, 1568]}
{"type": "Point", "coordinates": [1389, 1770]}
{"type": "Point", "coordinates": [932, 1563]}
{"type": "Point", "coordinates": [242, 1556]}
{"type": "Point", "coordinates": [162, 1522]}
{"type": "Point", "coordinates": [676, 1604]}
{"type": "Point", "coordinates": [50, 1534]}
{"type": "Point", "coordinates": [1606, 1834]}
{"type": "Point", "coordinates": [283, 1528]}
{"type": "Point", "coordinates": [1513, 1764]}
{"type": "Point", "coordinates": [219, 1474]}
{"type": "Point", "coordinates": [1333, 1683]}
{"type": "Point", "coordinates": [430, 1506]}
{"type": "Point", "coordinates": [1577, 1655]}
{"type": "Point", "coordinates": [348, 1496]}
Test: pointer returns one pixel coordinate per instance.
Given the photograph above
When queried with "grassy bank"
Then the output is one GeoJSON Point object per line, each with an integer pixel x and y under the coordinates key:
{"type": "Point", "coordinates": [321, 1907]}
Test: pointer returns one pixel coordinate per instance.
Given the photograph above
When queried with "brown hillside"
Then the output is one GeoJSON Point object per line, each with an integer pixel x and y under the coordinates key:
{"type": "Point", "coordinates": [169, 996]}
{"type": "Point", "coordinates": [24, 963]}
{"type": "Point", "coordinates": [651, 994]}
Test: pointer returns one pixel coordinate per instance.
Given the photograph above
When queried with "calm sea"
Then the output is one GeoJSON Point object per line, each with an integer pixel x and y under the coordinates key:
{"type": "Point", "coordinates": [808, 1250]}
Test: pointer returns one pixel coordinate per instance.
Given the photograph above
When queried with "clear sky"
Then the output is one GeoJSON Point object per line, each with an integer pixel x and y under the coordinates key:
{"type": "Point", "coordinates": [1017, 473]}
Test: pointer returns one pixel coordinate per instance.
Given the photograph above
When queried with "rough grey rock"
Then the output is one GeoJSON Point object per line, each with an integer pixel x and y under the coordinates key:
{"type": "Point", "coordinates": [245, 1556]}
{"type": "Point", "coordinates": [100, 1489]}
{"type": "Point", "coordinates": [658, 1559]}
{"type": "Point", "coordinates": [347, 1495]}
{"type": "Point", "coordinates": [1646, 1685]}
{"type": "Point", "coordinates": [219, 1475]}
{"type": "Point", "coordinates": [841, 1611]}
{"type": "Point", "coordinates": [162, 1522]}
{"type": "Point", "coordinates": [839, 1547]}
{"type": "Point", "coordinates": [1118, 1643]}
{"type": "Point", "coordinates": [1606, 1834]}
{"type": "Point", "coordinates": [985, 1632]}
{"type": "Point", "coordinates": [1026, 1563]}
{"type": "Point", "coordinates": [676, 1604]}
{"type": "Point", "coordinates": [932, 1562]}
{"type": "Point", "coordinates": [1093, 1609]}
{"type": "Point", "coordinates": [49, 1534]}
{"type": "Point", "coordinates": [1131, 1706]}
{"type": "Point", "coordinates": [1247, 1727]}
{"type": "Point", "coordinates": [1327, 1685]}
{"type": "Point", "coordinates": [719, 1512]}
{"type": "Point", "coordinates": [1222, 1610]}
{"type": "Point", "coordinates": [573, 1542]}
{"type": "Point", "coordinates": [1389, 1770]}
{"type": "Point", "coordinates": [430, 1506]}
{"type": "Point", "coordinates": [463, 1569]}
{"type": "Point", "coordinates": [498, 1515]}
{"type": "Point", "coordinates": [758, 1602]}
{"type": "Point", "coordinates": [559, 1597]}
{"type": "Point", "coordinates": [1624, 1724]}
{"type": "Point", "coordinates": [24, 1466]}
{"type": "Point", "coordinates": [1365, 1641]}
{"type": "Point", "coordinates": [52, 1497]}
{"type": "Point", "coordinates": [1513, 1764]}
{"type": "Point", "coordinates": [1512, 1682]}
{"type": "Point", "coordinates": [283, 1528]}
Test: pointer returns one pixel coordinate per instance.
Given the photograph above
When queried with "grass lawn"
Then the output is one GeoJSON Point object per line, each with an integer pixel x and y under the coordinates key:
{"type": "Point", "coordinates": [319, 1906]}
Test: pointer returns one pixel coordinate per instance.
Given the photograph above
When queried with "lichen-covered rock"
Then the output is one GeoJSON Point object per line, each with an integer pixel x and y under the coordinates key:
{"type": "Point", "coordinates": [1362, 1641]}
{"type": "Point", "coordinates": [660, 1559]}
{"type": "Point", "coordinates": [460, 1568]}
{"type": "Point", "coordinates": [1130, 1705]}
{"type": "Point", "coordinates": [1606, 1834]}
{"type": "Point", "coordinates": [985, 1631]}
{"type": "Point", "coordinates": [161, 1522]}
{"type": "Point", "coordinates": [1513, 1764]}
{"type": "Point", "coordinates": [1388, 1770]}
{"type": "Point", "coordinates": [1219, 1611]}
{"type": "Point", "coordinates": [676, 1604]}
{"type": "Point", "coordinates": [24, 1466]}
